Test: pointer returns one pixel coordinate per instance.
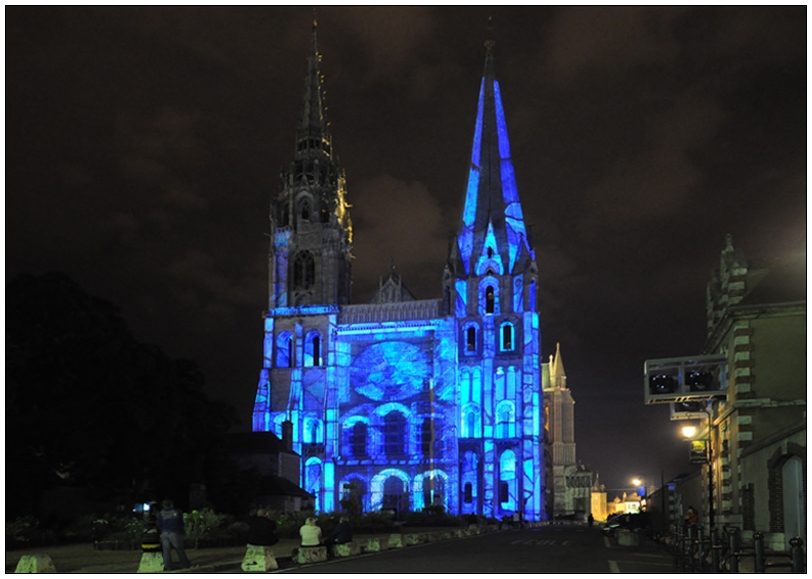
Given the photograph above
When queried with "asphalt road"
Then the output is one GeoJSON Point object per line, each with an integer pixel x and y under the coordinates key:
{"type": "Point", "coordinates": [548, 549]}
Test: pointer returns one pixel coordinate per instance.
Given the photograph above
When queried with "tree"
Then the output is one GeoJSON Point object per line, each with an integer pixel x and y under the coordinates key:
{"type": "Point", "coordinates": [89, 405]}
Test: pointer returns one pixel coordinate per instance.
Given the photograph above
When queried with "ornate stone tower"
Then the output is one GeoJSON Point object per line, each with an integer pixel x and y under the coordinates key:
{"type": "Point", "coordinates": [490, 284]}
{"type": "Point", "coordinates": [311, 228]}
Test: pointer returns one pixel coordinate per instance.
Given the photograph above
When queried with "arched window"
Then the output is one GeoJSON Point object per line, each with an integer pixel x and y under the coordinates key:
{"type": "Point", "coordinates": [468, 493]}
{"type": "Point", "coordinates": [304, 210]}
{"type": "Point", "coordinates": [284, 350]}
{"type": "Point", "coordinates": [312, 430]}
{"type": "Point", "coordinates": [304, 270]}
{"type": "Point", "coordinates": [507, 480]}
{"type": "Point", "coordinates": [358, 440]}
{"type": "Point", "coordinates": [470, 339]}
{"type": "Point", "coordinates": [394, 435]}
{"type": "Point", "coordinates": [507, 337]}
{"type": "Point", "coordinates": [505, 420]}
{"type": "Point", "coordinates": [489, 300]}
{"type": "Point", "coordinates": [313, 349]}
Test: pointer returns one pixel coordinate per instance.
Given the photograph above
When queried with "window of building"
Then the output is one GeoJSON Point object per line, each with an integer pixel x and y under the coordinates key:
{"type": "Point", "coordinates": [358, 440]}
{"type": "Point", "coordinates": [468, 493]}
{"type": "Point", "coordinates": [304, 270]}
{"type": "Point", "coordinates": [470, 339]}
{"type": "Point", "coordinates": [505, 420]}
{"type": "Point", "coordinates": [489, 300]}
{"type": "Point", "coordinates": [284, 350]}
{"type": "Point", "coordinates": [394, 435]}
{"type": "Point", "coordinates": [313, 349]}
{"type": "Point", "coordinates": [507, 337]}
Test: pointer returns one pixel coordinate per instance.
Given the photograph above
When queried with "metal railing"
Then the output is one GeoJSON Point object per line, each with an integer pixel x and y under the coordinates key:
{"type": "Point", "coordinates": [722, 552]}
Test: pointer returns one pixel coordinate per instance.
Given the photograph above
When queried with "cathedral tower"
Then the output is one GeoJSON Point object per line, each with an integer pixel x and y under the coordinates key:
{"type": "Point", "coordinates": [311, 229]}
{"type": "Point", "coordinates": [490, 286]}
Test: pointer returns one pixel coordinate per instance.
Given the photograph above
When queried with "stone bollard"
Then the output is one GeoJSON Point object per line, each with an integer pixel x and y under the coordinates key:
{"type": "Point", "coordinates": [347, 549]}
{"type": "Point", "coordinates": [311, 554]}
{"type": "Point", "coordinates": [35, 564]}
{"type": "Point", "coordinates": [395, 541]}
{"type": "Point", "coordinates": [376, 544]}
{"type": "Point", "coordinates": [151, 562]}
{"type": "Point", "coordinates": [259, 558]}
{"type": "Point", "coordinates": [412, 539]}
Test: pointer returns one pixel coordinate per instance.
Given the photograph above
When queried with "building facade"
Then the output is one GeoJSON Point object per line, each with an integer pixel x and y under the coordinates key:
{"type": "Point", "coordinates": [756, 311]}
{"type": "Point", "coordinates": [401, 403]}
{"type": "Point", "coordinates": [756, 479]}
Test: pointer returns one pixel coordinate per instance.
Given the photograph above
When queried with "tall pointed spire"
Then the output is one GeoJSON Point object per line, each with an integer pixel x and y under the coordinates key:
{"type": "Point", "coordinates": [492, 198]}
{"type": "Point", "coordinates": [558, 377]}
{"type": "Point", "coordinates": [313, 130]}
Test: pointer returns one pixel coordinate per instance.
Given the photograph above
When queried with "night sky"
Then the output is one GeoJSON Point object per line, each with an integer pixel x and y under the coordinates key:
{"type": "Point", "coordinates": [143, 146]}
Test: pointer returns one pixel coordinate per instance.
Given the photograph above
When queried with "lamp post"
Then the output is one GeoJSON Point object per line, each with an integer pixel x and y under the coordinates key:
{"type": "Point", "coordinates": [702, 453]}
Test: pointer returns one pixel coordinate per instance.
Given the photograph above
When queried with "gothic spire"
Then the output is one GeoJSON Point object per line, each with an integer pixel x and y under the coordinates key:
{"type": "Point", "coordinates": [557, 375]}
{"type": "Point", "coordinates": [492, 214]}
{"type": "Point", "coordinates": [313, 130]}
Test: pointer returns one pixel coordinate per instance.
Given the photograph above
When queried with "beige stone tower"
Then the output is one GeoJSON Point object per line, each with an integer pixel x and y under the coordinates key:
{"type": "Point", "coordinates": [568, 482]}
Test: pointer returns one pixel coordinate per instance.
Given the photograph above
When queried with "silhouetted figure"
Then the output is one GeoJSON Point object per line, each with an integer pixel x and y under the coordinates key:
{"type": "Point", "coordinates": [261, 529]}
{"type": "Point", "coordinates": [342, 533]}
{"type": "Point", "coordinates": [170, 525]}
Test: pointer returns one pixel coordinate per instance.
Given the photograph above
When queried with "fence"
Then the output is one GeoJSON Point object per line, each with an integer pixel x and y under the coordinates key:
{"type": "Point", "coordinates": [723, 552]}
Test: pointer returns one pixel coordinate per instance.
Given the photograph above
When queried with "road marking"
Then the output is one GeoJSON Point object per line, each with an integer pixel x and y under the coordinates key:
{"type": "Point", "coordinates": [613, 568]}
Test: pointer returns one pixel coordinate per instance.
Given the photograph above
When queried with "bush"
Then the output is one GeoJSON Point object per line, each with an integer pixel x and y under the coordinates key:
{"type": "Point", "coordinates": [21, 529]}
{"type": "Point", "coordinates": [204, 524]}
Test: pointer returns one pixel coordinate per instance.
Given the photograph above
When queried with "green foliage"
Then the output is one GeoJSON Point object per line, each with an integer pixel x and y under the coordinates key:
{"type": "Point", "coordinates": [21, 528]}
{"type": "Point", "coordinates": [203, 524]}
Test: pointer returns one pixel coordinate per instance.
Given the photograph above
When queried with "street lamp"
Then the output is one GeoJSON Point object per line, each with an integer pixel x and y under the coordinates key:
{"type": "Point", "coordinates": [702, 453]}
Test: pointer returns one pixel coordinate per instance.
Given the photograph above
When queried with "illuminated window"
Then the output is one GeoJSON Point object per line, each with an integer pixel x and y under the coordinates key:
{"type": "Point", "coordinates": [505, 420]}
{"type": "Point", "coordinates": [358, 440]}
{"type": "Point", "coordinates": [304, 270]}
{"type": "Point", "coordinates": [507, 337]}
{"type": "Point", "coordinates": [313, 431]}
{"type": "Point", "coordinates": [313, 349]}
{"type": "Point", "coordinates": [394, 435]}
{"type": "Point", "coordinates": [489, 300]}
{"type": "Point", "coordinates": [284, 350]}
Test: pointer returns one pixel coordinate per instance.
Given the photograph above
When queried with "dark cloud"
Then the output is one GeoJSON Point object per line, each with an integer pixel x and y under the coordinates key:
{"type": "Point", "coordinates": [143, 146]}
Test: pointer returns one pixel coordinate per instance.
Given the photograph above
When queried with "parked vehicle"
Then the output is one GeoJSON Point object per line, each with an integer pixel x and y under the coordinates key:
{"type": "Point", "coordinates": [630, 521]}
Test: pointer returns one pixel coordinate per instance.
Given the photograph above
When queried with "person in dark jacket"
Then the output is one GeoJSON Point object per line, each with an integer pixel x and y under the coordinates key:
{"type": "Point", "coordinates": [261, 529]}
{"type": "Point", "coordinates": [170, 525]}
{"type": "Point", "coordinates": [342, 532]}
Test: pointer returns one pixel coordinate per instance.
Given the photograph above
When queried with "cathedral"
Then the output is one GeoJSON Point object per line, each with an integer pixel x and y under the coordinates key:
{"type": "Point", "coordinates": [399, 403]}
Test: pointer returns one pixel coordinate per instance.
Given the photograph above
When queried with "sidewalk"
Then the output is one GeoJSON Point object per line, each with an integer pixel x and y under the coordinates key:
{"type": "Point", "coordinates": [83, 558]}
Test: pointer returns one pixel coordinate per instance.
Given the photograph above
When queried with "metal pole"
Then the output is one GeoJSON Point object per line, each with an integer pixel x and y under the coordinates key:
{"type": "Point", "coordinates": [758, 548]}
{"type": "Point", "coordinates": [797, 554]}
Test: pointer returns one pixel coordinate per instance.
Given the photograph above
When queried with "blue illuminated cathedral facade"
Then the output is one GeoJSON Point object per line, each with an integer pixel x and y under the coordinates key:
{"type": "Point", "coordinates": [403, 403]}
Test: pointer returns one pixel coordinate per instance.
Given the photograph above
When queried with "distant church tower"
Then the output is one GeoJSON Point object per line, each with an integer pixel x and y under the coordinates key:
{"type": "Point", "coordinates": [569, 483]}
{"type": "Point", "coordinates": [403, 403]}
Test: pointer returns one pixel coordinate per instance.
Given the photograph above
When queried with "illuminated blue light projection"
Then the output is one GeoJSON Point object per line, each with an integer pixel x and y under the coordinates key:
{"type": "Point", "coordinates": [403, 405]}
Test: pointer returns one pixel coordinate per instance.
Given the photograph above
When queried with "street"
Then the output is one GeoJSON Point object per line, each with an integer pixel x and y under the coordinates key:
{"type": "Point", "coordinates": [548, 549]}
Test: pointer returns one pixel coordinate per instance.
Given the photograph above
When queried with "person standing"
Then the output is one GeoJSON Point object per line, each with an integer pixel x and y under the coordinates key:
{"type": "Point", "coordinates": [170, 526]}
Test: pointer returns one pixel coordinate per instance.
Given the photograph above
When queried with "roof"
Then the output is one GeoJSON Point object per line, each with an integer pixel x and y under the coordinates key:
{"type": "Point", "coordinates": [255, 442]}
